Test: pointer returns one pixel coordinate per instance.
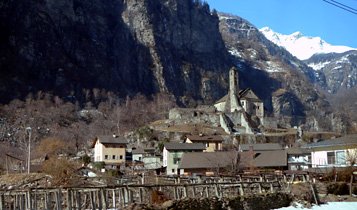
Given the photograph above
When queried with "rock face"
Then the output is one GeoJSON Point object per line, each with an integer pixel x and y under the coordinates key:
{"type": "Point", "coordinates": [282, 81]}
{"type": "Point", "coordinates": [339, 70]}
{"type": "Point", "coordinates": [79, 49]}
{"type": "Point", "coordinates": [121, 46]}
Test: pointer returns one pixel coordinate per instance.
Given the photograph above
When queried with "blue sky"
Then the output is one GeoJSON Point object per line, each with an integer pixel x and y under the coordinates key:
{"type": "Point", "coordinates": [311, 17]}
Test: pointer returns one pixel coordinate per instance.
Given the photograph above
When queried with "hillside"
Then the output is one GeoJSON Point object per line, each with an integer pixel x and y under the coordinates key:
{"type": "Point", "coordinates": [285, 83]}
{"type": "Point", "coordinates": [76, 69]}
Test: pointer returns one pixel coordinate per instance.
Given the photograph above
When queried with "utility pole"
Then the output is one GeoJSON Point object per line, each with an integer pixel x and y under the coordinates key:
{"type": "Point", "coordinates": [29, 131]}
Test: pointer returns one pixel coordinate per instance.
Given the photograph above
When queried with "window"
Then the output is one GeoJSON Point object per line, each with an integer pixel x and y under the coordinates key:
{"type": "Point", "coordinates": [340, 157]}
{"type": "Point", "coordinates": [330, 158]}
{"type": "Point", "coordinates": [242, 103]}
{"type": "Point", "coordinates": [113, 157]}
{"type": "Point", "coordinates": [173, 170]}
{"type": "Point", "coordinates": [106, 157]}
{"type": "Point", "coordinates": [177, 160]}
{"type": "Point", "coordinates": [121, 157]}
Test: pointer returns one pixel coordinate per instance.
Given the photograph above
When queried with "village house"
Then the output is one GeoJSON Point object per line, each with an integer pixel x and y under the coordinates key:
{"type": "Point", "coordinates": [298, 158]}
{"type": "Point", "coordinates": [172, 154]}
{"type": "Point", "coordinates": [333, 152]}
{"type": "Point", "coordinates": [212, 142]}
{"type": "Point", "coordinates": [110, 149]}
{"type": "Point", "coordinates": [228, 162]}
{"type": "Point", "coordinates": [148, 156]}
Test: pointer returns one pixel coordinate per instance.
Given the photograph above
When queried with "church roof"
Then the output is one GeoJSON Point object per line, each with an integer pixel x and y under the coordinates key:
{"type": "Point", "coordinates": [246, 93]}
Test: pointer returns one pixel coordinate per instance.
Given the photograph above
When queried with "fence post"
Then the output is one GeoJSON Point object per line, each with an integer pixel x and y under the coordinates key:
{"type": "Point", "coordinates": [2, 203]}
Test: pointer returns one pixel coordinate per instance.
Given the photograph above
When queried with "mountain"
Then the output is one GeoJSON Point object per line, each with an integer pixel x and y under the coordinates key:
{"type": "Point", "coordinates": [285, 83]}
{"type": "Point", "coordinates": [84, 50]}
{"type": "Point", "coordinates": [71, 47]}
{"type": "Point", "coordinates": [339, 69]}
{"type": "Point", "coordinates": [303, 47]}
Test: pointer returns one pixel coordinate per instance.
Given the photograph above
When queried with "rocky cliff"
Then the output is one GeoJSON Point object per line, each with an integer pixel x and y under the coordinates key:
{"type": "Point", "coordinates": [124, 46]}
{"type": "Point", "coordinates": [78, 49]}
{"type": "Point", "coordinates": [339, 70]}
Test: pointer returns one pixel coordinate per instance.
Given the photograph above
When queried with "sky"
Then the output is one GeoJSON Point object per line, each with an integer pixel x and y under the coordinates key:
{"type": "Point", "coordinates": [311, 17]}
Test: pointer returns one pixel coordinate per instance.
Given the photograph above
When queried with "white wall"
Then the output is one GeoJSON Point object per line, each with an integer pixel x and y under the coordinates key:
{"type": "Point", "coordinates": [98, 152]}
{"type": "Point", "coordinates": [137, 157]}
{"type": "Point", "coordinates": [220, 106]}
{"type": "Point", "coordinates": [318, 158]}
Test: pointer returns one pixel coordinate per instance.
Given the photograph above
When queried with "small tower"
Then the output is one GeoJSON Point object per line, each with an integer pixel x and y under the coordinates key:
{"type": "Point", "coordinates": [233, 90]}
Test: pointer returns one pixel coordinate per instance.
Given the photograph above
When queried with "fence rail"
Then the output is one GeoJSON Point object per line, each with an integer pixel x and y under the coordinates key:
{"type": "Point", "coordinates": [119, 196]}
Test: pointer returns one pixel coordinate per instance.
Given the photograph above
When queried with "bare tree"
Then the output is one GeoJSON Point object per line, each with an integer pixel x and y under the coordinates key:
{"type": "Point", "coordinates": [351, 158]}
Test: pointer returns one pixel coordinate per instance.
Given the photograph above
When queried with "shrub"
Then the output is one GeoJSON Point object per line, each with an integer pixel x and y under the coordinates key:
{"type": "Point", "coordinates": [86, 159]}
{"type": "Point", "coordinates": [112, 172]}
{"type": "Point", "coordinates": [338, 189]}
{"type": "Point", "coordinates": [61, 170]}
{"type": "Point", "coordinates": [98, 165]}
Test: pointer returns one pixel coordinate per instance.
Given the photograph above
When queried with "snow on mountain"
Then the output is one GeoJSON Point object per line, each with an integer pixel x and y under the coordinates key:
{"type": "Point", "coordinates": [303, 47]}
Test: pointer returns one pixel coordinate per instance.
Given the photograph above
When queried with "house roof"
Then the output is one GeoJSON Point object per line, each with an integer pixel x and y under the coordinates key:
{"type": "Point", "coordinates": [207, 159]}
{"type": "Point", "coordinates": [184, 146]}
{"type": "Point", "coordinates": [297, 151]}
{"type": "Point", "coordinates": [216, 138]}
{"type": "Point", "coordinates": [110, 139]}
{"type": "Point", "coordinates": [270, 158]}
{"type": "Point", "coordinates": [261, 147]}
{"type": "Point", "coordinates": [210, 160]}
{"type": "Point", "coordinates": [140, 150]}
{"type": "Point", "coordinates": [348, 140]}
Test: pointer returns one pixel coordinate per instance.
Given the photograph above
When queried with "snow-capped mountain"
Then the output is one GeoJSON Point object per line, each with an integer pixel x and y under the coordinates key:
{"type": "Point", "coordinates": [303, 47]}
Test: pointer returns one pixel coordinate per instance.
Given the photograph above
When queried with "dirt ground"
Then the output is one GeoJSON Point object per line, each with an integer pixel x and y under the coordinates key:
{"type": "Point", "coordinates": [22, 181]}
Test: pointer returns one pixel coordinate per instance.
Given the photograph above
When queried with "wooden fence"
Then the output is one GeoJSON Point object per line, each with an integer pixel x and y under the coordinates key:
{"type": "Point", "coordinates": [119, 196]}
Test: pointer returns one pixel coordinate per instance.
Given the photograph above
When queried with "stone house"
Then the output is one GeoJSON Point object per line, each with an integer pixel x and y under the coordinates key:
{"type": "Point", "coordinates": [110, 149]}
{"type": "Point", "coordinates": [212, 142]}
{"type": "Point", "coordinates": [172, 154]}
{"type": "Point", "coordinates": [333, 152]}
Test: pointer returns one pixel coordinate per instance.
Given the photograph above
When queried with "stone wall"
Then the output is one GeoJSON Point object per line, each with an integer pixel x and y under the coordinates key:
{"type": "Point", "coordinates": [261, 202]}
{"type": "Point", "coordinates": [197, 116]}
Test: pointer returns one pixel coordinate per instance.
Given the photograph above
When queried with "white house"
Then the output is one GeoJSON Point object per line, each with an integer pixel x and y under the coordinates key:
{"type": "Point", "coordinates": [334, 152]}
{"type": "Point", "coordinates": [110, 149]}
{"type": "Point", "coordinates": [173, 152]}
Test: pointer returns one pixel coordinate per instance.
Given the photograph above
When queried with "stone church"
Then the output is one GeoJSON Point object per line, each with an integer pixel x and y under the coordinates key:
{"type": "Point", "coordinates": [238, 112]}
{"type": "Point", "coordinates": [237, 100]}
{"type": "Point", "coordinates": [242, 111]}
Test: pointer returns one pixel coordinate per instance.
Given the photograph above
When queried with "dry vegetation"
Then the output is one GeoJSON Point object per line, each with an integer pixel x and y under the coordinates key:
{"type": "Point", "coordinates": [71, 126]}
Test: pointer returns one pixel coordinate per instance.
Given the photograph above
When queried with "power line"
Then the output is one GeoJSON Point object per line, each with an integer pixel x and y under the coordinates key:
{"type": "Point", "coordinates": [344, 5]}
{"type": "Point", "coordinates": [341, 7]}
